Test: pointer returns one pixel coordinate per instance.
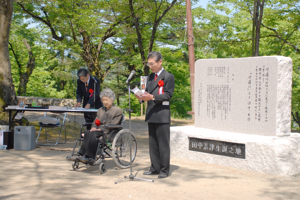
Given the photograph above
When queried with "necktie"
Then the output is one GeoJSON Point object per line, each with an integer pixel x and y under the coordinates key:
{"type": "Point", "coordinates": [155, 77]}
{"type": "Point", "coordinates": [86, 86]}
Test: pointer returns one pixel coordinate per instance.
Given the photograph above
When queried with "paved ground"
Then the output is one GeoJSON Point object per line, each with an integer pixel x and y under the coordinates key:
{"type": "Point", "coordinates": [44, 173]}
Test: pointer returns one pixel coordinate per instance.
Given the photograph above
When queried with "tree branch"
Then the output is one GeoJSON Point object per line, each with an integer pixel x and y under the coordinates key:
{"type": "Point", "coordinates": [73, 32]}
{"type": "Point", "coordinates": [109, 33]}
{"type": "Point", "coordinates": [156, 23]}
{"type": "Point", "coordinates": [31, 60]}
{"type": "Point", "coordinates": [231, 41]}
{"type": "Point", "coordinates": [47, 22]}
{"type": "Point", "coordinates": [138, 32]}
{"type": "Point", "coordinates": [279, 37]}
{"type": "Point", "coordinates": [296, 118]}
{"type": "Point", "coordinates": [16, 58]}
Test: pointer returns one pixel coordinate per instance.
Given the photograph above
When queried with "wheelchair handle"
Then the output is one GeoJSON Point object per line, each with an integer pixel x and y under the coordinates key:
{"type": "Point", "coordinates": [128, 110]}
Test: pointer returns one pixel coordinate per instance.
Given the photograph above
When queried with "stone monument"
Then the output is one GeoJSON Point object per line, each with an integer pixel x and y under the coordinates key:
{"type": "Point", "coordinates": [242, 116]}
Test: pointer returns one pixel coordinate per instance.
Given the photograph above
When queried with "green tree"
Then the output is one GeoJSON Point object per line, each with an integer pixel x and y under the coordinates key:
{"type": "Point", "coordinates": [257, 16]}
{"type": "Point", "coordinates": [7, 91]}
{"type": "Point", "coordinates": [21, 52]}
{"type": "Point", "coordinates": [101, 35]}
{"type": "Point", "coordinates": [82, 27]}
{"type": "Point", "coordinates": [145, 20]}
{"type": "Point", "coordinates": [174, 61]}
{"type": "Point", "coordinates": [34, 70]}
{"type": "Point", "coordinates": [225, 30]}
{"type": "Point", "coordinates": [152, 25]}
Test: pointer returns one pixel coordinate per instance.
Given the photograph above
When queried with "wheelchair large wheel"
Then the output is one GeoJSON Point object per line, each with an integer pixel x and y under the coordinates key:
{"type": "Point", "coordinates": [121, 148]}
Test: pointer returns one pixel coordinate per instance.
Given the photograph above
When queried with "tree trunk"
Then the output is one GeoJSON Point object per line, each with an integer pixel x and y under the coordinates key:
{"type": "Point", "coordinates": [156, 23]}
{"type": "Point", "coordinates": [139, 37]}
{"type": "Point", "coordinates": [296, 118]}
{"type": "Point", "coordinates": [257, 19]}
{"type": "Point", "coordinates": [24, 77]}
{"type": "Point", "coordinates": [7, 90]}
{"type": "Point", "coordinates": [254, 19]}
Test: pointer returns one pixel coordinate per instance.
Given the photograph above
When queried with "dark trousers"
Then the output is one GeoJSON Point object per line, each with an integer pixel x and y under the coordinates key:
{"type": "Point", "coordinates": [90, 143]}
{"type": "Point", "coordinates": [89, 118]}
{"type": "Point", "coordinates": [159, 147]}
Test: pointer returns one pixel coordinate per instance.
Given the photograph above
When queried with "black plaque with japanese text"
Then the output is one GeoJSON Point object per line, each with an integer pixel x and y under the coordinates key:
{"type": "Point", "coordinates": [235, 150]}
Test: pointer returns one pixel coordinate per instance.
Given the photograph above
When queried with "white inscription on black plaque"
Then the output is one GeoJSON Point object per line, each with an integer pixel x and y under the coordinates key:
{"type": "Point", "coordinates": [235, 150]}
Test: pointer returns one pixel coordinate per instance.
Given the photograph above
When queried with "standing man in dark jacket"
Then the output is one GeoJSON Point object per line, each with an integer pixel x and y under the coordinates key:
{"type": "Point", "coordinates": [159, 91]}
{"type": "Point", "coordinates": [87, 87]}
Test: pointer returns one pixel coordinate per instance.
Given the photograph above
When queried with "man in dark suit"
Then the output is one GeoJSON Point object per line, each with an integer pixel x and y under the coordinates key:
{"type": "Point", "coordinates": [87, 86]}
{"type": "Point", "coordinates": [159, 91]}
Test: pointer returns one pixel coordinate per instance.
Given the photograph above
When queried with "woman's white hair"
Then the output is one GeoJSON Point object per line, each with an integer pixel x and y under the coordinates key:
{"type": "Point", "coordinates": [108, 93]}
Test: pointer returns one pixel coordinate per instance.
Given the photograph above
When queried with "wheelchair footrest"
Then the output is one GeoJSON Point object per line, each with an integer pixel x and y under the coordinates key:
{"type": "Point", "coordinates": [98, 161]}
{"type": "Point", "coordinates": [71, 158]}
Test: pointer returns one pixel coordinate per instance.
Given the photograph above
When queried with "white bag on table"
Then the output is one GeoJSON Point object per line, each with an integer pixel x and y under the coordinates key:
{"type": "Point", "coordinates": [49, 121]}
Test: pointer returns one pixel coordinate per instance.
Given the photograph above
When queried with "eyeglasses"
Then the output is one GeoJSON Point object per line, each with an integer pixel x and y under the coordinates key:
{"type": "Point", "coordinates": [151, 64]}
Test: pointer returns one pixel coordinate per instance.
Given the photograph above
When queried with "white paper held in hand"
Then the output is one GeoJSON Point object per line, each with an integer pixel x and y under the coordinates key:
{"type": "Point", "coordinates": [137, 91]}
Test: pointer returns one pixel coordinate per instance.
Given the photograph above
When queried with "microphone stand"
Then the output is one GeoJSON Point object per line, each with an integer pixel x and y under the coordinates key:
{"type": "Point", "coordinates": [131, 176]}
{"type": "Point", "coordinates": [95, 92]}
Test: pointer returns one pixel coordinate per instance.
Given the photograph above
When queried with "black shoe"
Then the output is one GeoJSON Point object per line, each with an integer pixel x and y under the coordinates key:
{"type": "Point", "coordinates": [150, 173]}
{"type": "Point", "coordinates": [82, 159]}
{"type": "Point", "coordinates": [90, 161]}
{"type": "Point", "coordinates": [162, 176]}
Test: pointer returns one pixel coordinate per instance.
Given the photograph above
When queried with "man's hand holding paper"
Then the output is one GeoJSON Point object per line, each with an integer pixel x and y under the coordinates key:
{"type": "Point", "coordinates": [145, 97]}
{"type": "Point", "coordinates": [137, 91]}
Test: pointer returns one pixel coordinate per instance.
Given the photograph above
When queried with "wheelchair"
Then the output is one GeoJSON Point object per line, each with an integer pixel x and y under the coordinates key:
{"type": "Point", "coordinates": [115, 144]}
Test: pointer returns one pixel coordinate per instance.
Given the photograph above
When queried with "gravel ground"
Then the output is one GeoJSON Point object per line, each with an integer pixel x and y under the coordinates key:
{"type": "Point", "coordinates": [44, 173]}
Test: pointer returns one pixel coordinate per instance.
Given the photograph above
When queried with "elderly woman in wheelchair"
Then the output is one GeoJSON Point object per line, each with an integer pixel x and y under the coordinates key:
{"type": "Point", "coordinates": [106, 134]}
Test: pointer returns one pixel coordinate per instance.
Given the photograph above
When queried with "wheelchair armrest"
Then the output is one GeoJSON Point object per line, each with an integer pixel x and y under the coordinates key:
{"type": "Point", "coordinates": [86, 124]}
{"type": "Point", "coordinates": [113, 126]}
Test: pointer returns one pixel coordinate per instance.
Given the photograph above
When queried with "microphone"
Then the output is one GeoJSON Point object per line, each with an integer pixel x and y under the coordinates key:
{"type": "Point", "coordinates": [97, 122]}
{"type": "Point", "coordinates": [94, 79]}
{"type": "Point", "coordinates": [130, 76]}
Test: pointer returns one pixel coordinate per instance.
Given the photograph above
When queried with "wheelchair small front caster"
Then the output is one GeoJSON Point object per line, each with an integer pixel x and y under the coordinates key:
{"type": "Point", "coordinates": [102, 168]}
{"type": "Point", "coordinates": [75, 164]}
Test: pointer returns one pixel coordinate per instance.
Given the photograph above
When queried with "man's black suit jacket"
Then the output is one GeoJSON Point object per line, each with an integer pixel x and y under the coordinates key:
{"type": "Point", "coordinates": [158, 111]}
{"type": "Point", "coordinates": [83, 92]}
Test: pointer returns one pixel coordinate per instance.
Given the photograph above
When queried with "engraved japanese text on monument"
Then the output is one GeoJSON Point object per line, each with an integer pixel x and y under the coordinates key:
{"type": "Point", "coordinates": [236, 95]}
{"type": "Point", "coordinates": [258, 85]}
{"type": "Point", "coordinates": [218, 96]}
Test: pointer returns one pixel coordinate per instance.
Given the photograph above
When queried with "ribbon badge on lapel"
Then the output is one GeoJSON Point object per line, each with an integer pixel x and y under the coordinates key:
{"type": "Point", "coordinates": [91, 91]}
{"type": "Point", "coordinates": [161, 88]}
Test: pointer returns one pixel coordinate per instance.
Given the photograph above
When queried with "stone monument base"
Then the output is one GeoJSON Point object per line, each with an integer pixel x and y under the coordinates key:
{"type": "Point", "coordinates": [265, 154]}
